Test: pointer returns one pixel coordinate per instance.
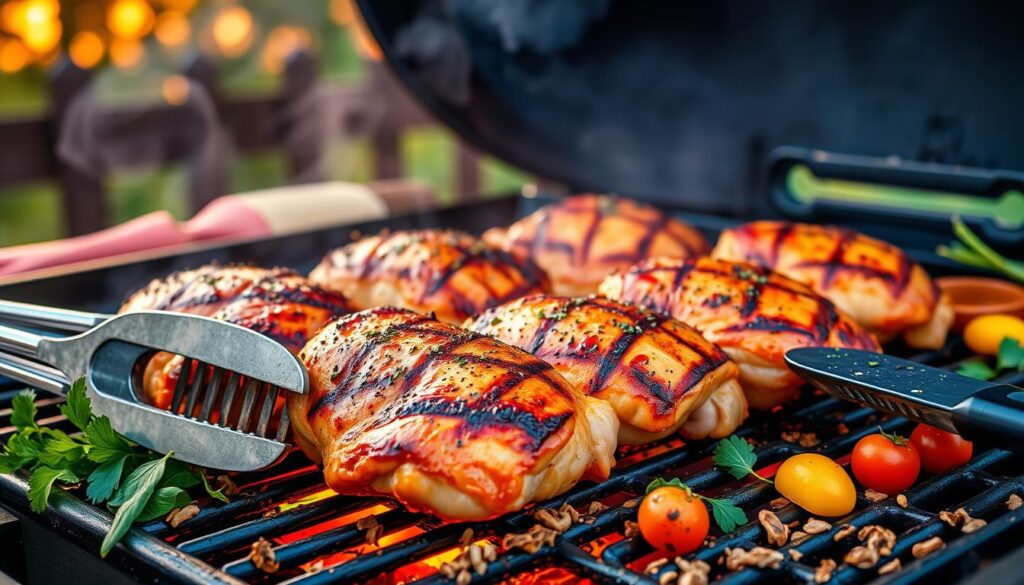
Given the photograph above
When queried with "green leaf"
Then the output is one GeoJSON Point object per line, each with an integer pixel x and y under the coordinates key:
{"type": "Point", "coordinates": [105, 443]}
{"type": "Point", "coordinates": [179, 474]}
{"type": "Point", "coordinates": [132, 498]}
{"type": "Point", "coordinates": [23, 410]}
{"type": "Point", "coordinates": [23, 447]}
{"type": "Point", "coordinates": [976, 369]}
{"type": "Point", "coordinates": [105, 479]}
{"type": "Point", "coordinates": [735, 456]}
{"type": "Point", "coordinates": [162, 502]}
{"type": "Point", "coordinates": [40, 484]}
{"type": "Point", "coordinates": [1011, 354]}
{"type": "Point", "coordinates": [1014, 270]}
{"type": "Point", "coordinates": [727, 515]}
{"type": "Point", "coordinates": [216, 494]}
{"type": "Point", "coordinates": [659, 482]}
{"type": "Point", "coordinates": [78, 407]}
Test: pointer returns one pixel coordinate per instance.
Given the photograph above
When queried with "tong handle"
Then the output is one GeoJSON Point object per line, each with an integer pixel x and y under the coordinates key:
{"type": "Point", "coordinates": [20, 342]}
{"type": "Point", "coordinates": [49, 317]}
{"type": "Point", "coordinates": [34, 374]}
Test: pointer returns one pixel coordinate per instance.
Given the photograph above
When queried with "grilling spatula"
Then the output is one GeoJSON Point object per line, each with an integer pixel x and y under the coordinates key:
{"type": "Point", "coordinates": [206, 424]}
{"type": "Point", "coordinates": [975, 409]}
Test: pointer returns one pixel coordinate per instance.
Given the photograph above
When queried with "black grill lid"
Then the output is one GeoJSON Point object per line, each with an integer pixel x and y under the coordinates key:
{"type": "Point", "coordinates": [680, 102]}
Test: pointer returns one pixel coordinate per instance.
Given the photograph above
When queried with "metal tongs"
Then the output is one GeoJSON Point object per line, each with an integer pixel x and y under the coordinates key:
{"type": "Point", "coordinates": [205, 424]}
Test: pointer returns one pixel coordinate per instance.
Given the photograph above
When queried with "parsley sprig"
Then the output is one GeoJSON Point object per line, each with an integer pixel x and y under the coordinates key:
{"type": "Point", "coordinates": [972, 251]}
{"type": "Point", "coordinates": [1010, 357]}
{"type": "Point", "coordinates": [736, 457]}
{"type": "Point", "coordinates": [727, 514]}
{"type": "Point", "coordinates": [137, 483]}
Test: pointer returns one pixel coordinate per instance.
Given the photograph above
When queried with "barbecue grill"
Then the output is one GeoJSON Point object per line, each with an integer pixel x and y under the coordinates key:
{"type": "Point", "coordinates": [316, 534]}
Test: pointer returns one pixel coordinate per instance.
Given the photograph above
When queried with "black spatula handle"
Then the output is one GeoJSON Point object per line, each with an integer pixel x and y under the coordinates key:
{"type": "Point", "coordinates": [994, 414]}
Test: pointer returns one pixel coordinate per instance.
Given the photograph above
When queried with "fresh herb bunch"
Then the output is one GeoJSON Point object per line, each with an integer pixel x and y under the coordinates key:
{"type": "Point", "coordinates": [1010, 357]}
{"type": "Point", "coordinates": [736, 456]}
{"type": "Point", "coordinates": [139, 484]}
{"type": "Point", "coordinates": [727, 514]}
{"type": "Point", "coordinates": [972, 251]}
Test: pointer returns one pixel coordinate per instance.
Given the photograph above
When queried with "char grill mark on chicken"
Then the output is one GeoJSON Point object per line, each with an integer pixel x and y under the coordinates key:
{"type": "Point", "coordinates": [753, 314]}
{"type": "Point", "coordinates": [444, 419]}
{"type": "Point", "coordinates": [581, 239]}
{"type": "Point", "coordinates": [656, 372]}
{"type": "Point", "coordinates": [449, 273]}
{"type": "Point", "coordinates": [876, 283]}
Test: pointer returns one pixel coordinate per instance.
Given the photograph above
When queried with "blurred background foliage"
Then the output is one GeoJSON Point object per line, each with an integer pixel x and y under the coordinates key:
{"type": "Point", "coordinates": [136, 48]}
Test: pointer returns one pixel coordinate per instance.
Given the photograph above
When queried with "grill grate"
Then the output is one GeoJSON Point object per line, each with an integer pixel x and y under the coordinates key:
{"type": "Point", "coordinates": [316, 539]}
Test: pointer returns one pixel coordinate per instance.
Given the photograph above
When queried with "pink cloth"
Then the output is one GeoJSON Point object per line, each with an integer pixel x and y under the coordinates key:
{"type": "Point", "coordinates": [224, 218]}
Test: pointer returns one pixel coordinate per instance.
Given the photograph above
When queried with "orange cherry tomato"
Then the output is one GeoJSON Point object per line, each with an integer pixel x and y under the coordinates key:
{"type": "Point", "coordinates": [940, 451]}
{"type": "Point", "coordinates": [673, 520]}
{"type": "Point", "coordinates": [885, 463]}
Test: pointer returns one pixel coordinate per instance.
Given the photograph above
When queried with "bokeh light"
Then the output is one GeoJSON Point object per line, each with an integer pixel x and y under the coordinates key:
{"type": "Point", "coordinates": [172, 29]}
{"type": "Point", "coordinates": [233, 30]}
{"type": "Point", "coordinates": [14, 56]}
{"type": "Point", "coordinates": [175, 90]}
{"type": "Point", "coordinates": [130, 19]}
{"type": "Point", "coordinates": [126, 53]}
{"type": "Point", "coordinates": [282, 42]}
{"type": "Point", "coordinates": [86, 49]}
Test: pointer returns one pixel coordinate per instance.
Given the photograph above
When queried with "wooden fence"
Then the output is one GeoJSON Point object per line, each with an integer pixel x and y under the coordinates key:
{"type": "Point", "coordinates": [376, 109]}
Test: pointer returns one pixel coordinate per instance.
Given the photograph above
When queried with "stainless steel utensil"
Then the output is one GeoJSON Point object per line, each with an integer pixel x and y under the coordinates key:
{"type": "Point", "coordinates": [221, 359]}
{"type": "Point", "coordinates": [972, 408]}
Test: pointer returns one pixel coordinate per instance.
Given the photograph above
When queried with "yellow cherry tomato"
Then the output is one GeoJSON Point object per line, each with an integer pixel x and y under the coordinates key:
{"type": "Point", "coordinates": [816, 484]}
{"type": "Point", "coordinates": [984, 334]}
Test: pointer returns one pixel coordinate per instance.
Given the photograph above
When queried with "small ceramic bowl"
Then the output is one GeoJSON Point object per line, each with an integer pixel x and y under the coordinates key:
{"type": "Point", "coordinates": [973, 296]}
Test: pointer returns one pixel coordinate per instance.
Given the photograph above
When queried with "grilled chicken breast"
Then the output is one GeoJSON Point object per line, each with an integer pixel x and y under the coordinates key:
{"type": "Point", "coordinates": [875, 283]}
{"type": "Point", "coordinates": [449, 273]}
{"type": "Point", "coordinates": [752, 313]}
{"type": "Point", "coordinates": [277, 302]}
{"type": "Point", "coordinates": [582, 239]}
{"type": "Point", "coordinates": [658, 374]}
{"type": "Point", "coordinates": [443, 419]}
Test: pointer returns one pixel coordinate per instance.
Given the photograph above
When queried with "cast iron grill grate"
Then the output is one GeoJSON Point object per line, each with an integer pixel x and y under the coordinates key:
{"type": "Point", "coordinates": [316, 538]}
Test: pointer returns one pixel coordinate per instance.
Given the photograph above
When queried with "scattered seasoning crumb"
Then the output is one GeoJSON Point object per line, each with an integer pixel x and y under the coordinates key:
{"type": "Point", "coordinates": [261, 554]}
{"type": "Point", "coordinates": [795, 554]}
{"type": "Point", "coordinates": [668, 577]}
{"type": "Point", "coordinates": [778, 503]}
{"type": "Point", "coordinates": [692, 572]}
{"type": "Point", "coordinates": [815, 526]}
{"type": "Point", "coordinates": [776, 531]}
{"type": "Point", "coordinates": [962, 519]}
{"type": "Point", "coordinates": [901, 500]}
{"type": "Point", "coordinates": [861, 557]}
{"type": "Point", "coordinates": [473, 556]}
{"type": "Point", "coordinates": [226, 486]}
{"type": "Point", "coordinates": [655, 566]}
{"type": "Point", "coordinates": [180, 515]}
{"type": "Point", "coordinates": [373, 529]}
{"type": "Point", "coordinates": [314, 568]}
{"type": "Point", "coordinates": [927, 547]}
{"type": "Point", "coordinates": [809, 440]}
{"type": "Point", "coordinates": [823, 574]}
{"type": "Point", "coordinates": [759, 556]}
{"type": "Point", "coordinates": [890, 567]}
{"type": "Point", "coordinates": [466, 539]}
{"type": "Point", "coordinates": [630, 503]}
{"type": "Point", "coordinates": [798, 537]}
{"type": "Point", "coordinates": [845, 531]}
{"type": "Point", "coordinates": [973, 525]}
{"type": "Point", "coordinates": [596, 508]}
{"type": "Point", "coordinates": [873, 364]}
{"type": "Point", "coordinates": [842, 429]}
{"type": "Point", "coordinates": [560, 520]}
{"type": "Point", "coordinates": [632, 529]}
{"type": "Point", "coordinates": [791, 436]}
{"type": "Point", "coordinates": [873, 496]}
{"type": "Point", "coordinates": [1014, 502]}
{"type": "Point", "coordinates": [532, 540]}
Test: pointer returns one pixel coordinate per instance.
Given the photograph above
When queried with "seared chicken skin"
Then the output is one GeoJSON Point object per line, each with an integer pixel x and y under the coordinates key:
{"type": "Point", "coordinates": [276, 302]}
{"type": "Point", "coordinates": [443, 419]}
{"type": "Point", "coordinates": [658, 374]}
{"type": "Point", "coordinates": [580, 240]}
{"type": "Point", "coordinates": [450, 273]}
{"type": "Point", "coordinates": [753, 314]}
{"type": "Point", "coordinates": [875, 283]}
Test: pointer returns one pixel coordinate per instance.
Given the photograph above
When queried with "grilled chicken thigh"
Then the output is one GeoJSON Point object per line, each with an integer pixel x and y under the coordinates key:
{"type": "Point", "coordinates": [277, 302]}
{"type": "Point", "coordinates": [443, 419]}
{"type": "Point", "coordinates": [753, 314]}
{"type": "Point", "coordinates": [580, 240]}
{"type": "Point", "coordinates": [449, 273]}
{"type": "Point", "coordinates": [658, 374]}
{"type": "Point", "coordinates": [875, 283]}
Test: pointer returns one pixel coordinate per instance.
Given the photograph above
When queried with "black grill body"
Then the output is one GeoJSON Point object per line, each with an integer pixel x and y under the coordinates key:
{"type": "Point", "coordinates": [317, 540]}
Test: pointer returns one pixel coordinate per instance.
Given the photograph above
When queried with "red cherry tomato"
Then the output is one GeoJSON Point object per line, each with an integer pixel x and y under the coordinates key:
{"type": "Point", "coordinates": [673, 520]}
{"type": "Point", "coordinates": [940, 450]}
{"type": "Point", "coordinates": [885, 463]}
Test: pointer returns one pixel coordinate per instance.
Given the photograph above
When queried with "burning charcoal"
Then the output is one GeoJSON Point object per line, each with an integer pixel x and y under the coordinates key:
{"type": "Point", "coordinates": [1014, 502]}
{"type": "Point", "coordinates": [927, 547]}
{"type": "Point", "coordinates": [759, 556]}
{"type": "Point", "coordinates": [890, 567]}
{"type": "Point", "coordinates": [823, 574]}
{"type": "Point", "coordinates": [261, 554]}
{"type": "Point", "coordinates": [179, 515]}
{"type": "Point", "coordinates": [815, 526]}
{"type": "Point", "coordinates": [873, 496]}
{"type": "Point", "coordinates": [777, 532]}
